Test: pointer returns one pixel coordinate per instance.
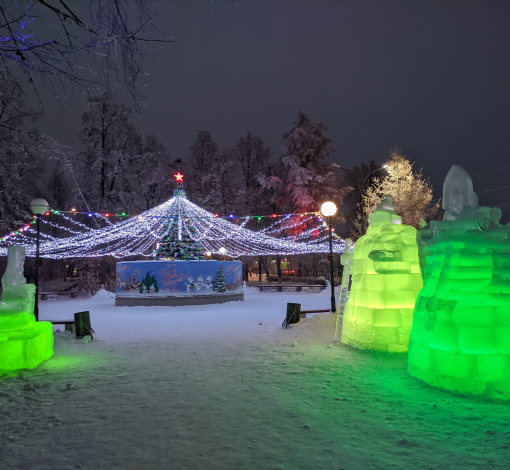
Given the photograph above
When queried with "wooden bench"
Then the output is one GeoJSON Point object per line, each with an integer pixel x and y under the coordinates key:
{"type": "Point", "coordinates": [279, 288]}
{"type": "Point", "coordinates": [69, 324]}
{"type": "Point", "coordinates": [302, 313]}
{"type": "Point", "coordinates": [44, 295]}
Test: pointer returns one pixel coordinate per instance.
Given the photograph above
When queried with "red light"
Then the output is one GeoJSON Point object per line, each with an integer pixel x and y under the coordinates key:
{"type": "Point", "coordinates": [178, 177]}
{"type": "Point", "coordinates": [293, 271]}
{"type": "Point", "coordinates": [216, 215]}
{"type": "Point", "coordinates": [274, 215]}
{"type": "Point", "coordinates": [47, 213]}
{"type": "Point", "coordinates": [106, 215]}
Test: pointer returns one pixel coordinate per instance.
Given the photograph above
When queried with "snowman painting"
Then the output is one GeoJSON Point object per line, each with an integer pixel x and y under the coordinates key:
{"type": "Point", "coordinates": [200, 283]}
{"type": "Point", "coordinates": [208, 284]}
{"type": "Point", "coordinates": [190, 286]}
{"type": "Point", "coordinates": [152, 289]}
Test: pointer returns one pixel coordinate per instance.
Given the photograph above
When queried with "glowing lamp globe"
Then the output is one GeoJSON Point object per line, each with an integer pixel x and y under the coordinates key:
{"type": "Point", "coordinates": [329, 209]}
{"type": "Point", "coordinates": [222, 250]}
{"type": "Point", "coordinates": [39, 206]}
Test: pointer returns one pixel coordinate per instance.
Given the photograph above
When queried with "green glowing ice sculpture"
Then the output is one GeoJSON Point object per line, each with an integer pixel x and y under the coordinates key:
{"type": "Point", "coordinates": [460, 339]}
{"type": "Point", "coordinates": [386, 280]}
{"type": "Point", "coordinates": [24, 343]}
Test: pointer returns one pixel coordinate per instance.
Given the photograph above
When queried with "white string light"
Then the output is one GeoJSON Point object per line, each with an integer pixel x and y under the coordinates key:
{"type": "Point", "coordinates": [139, 235]}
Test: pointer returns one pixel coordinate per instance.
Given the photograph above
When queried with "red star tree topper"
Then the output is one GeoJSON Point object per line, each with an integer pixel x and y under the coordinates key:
{"type": "Point", "coordinates": [178, 177]}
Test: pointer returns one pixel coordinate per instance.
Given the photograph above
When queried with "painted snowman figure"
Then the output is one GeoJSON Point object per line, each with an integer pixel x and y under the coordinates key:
{"type": "Point", "coordinates": [190, 286]}
{"type": "Point", "coordinates": [208, 284]}
{"type": "Point", "coordinates": [200, 283]}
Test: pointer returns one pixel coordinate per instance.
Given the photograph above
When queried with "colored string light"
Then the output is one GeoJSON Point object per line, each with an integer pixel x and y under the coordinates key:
{"type": "Point", "coordinates": [139, 235]}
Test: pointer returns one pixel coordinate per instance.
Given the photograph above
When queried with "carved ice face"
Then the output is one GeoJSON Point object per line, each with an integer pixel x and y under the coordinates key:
{"type": "Point", "coordinates": [456, 202]}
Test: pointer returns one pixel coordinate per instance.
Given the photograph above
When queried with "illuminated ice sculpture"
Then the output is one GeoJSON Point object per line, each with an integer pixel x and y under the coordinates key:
{"type": "Point", "coordinates": [460, 339]}
{"type": "Point", "coordinates": [24, 343]}
{"type": "Point", "coordinates": [386, 280]}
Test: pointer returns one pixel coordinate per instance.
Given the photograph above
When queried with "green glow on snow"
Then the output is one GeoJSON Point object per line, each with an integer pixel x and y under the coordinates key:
{"type": "Point", "coordinates": [386, 280]}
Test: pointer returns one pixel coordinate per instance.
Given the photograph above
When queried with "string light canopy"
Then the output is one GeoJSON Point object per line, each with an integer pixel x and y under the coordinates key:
{"type": "Point", "coordinates": [140, 234]}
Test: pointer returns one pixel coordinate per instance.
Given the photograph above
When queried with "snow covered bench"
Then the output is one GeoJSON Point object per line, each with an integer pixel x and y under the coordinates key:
{"type": "Point", "coordinates": [310, 288]}
{"type": "Point", "coordinates": [69, 325]}
{"type": "Point", "coordinates": [44, 295]}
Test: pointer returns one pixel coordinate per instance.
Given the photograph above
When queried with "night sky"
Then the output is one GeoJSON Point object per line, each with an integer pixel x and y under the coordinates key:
{"type": "Point", "coordinates": [432, 77]}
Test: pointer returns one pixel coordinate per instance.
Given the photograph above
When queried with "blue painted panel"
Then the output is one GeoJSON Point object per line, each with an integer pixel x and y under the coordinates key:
{"type": "Point", "coordinates": [164, 278]}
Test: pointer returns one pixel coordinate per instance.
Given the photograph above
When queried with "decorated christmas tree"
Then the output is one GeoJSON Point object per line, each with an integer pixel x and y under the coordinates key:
{"type": "Point", "coordinates": [220, 284]}
{"type": "Point", "coordinates": [179, 243]}
{"type": "Point", "coordinates": [180, 240]}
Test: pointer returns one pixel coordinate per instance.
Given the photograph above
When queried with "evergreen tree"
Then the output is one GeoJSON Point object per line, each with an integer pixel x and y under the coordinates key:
{"type": "Point", "coordinates": [220, 283]}
{"type": "Point", "coordinates": [302, 180]}
{"type": "Point", "coordinates": [188, 248]}
{"type": "Point", "coordinates": [154, 283]}
{"type": "Point", "coordinates": [148, 282]}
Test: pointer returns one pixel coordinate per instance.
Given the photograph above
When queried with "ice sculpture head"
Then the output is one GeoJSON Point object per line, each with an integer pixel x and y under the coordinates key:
{"type": "Point", "coordinates": [13, 276]}
{"type": "Point", "coordinates": [386, 204]}
{"type": "Point", "coordinates": [385, 212]}
{"type": "Point", "coordinates": [348, 244]}
{"type": "Point", "coordinates": [458, 190]}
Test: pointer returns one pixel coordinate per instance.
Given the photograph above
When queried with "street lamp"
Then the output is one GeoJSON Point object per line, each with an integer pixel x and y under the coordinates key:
{"type": "Point", "coordinates": [328, 210]}
{"type": "Point", "coordinates": [39, 207]}
{"type": "Point", "coordinates": [377, 169]}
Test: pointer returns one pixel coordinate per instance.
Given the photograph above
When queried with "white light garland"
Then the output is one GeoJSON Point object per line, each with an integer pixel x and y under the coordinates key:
{"type": "Point", "coordinates": [139, 235]}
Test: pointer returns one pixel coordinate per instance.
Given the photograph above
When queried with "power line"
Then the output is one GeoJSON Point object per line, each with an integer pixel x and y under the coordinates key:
{"type": "Point", "coordinates": [489, 171]}
{"type": "Point", "coordinates": [489, 190]}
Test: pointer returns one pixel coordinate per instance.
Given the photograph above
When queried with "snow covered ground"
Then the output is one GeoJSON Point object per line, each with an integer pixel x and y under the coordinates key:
{"type": "Point", "coordinates": [224, 387]}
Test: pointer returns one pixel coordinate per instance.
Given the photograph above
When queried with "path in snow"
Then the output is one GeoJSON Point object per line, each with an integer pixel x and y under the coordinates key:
{"type": "Point", "coordinates": [208, 388]}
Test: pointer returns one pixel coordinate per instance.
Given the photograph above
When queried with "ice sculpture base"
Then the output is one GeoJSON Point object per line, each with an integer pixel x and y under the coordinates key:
{"type": "Point", "coordinates": [494, 390]}
{"type": "Point", "coordinates": [177, 300]}
{"type": "Point", "coordinates": [26, 348]}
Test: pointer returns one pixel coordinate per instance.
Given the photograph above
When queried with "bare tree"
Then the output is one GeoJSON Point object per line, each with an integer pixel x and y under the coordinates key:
{"type": "Point", "coordinates": [202, 156]}
{"type": "Point", "coordinates": [252, 158]}
{"type": "Point", "coordinates": [52, 42]}
{"type": "Point", "coordinates": [22, 151]}
{"type": "Point", "coordinates": [150, 179]}
{"type": "Point", "coordinates": [411, 191]}
{"type": "Point", "coordinates": [222, 185]}
{"type": "Point", "coordinates": [110, 142]}
{"type": "Point", "coordinates": [57, 189]}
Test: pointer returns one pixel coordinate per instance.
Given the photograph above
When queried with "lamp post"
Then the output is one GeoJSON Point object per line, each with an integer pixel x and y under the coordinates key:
{"type": "Point", "coordinates": [39, 207]}
{"type": "Point", "coordinates": [377, 169]}
{"type": "Point", "coordinates": [328, 210]}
